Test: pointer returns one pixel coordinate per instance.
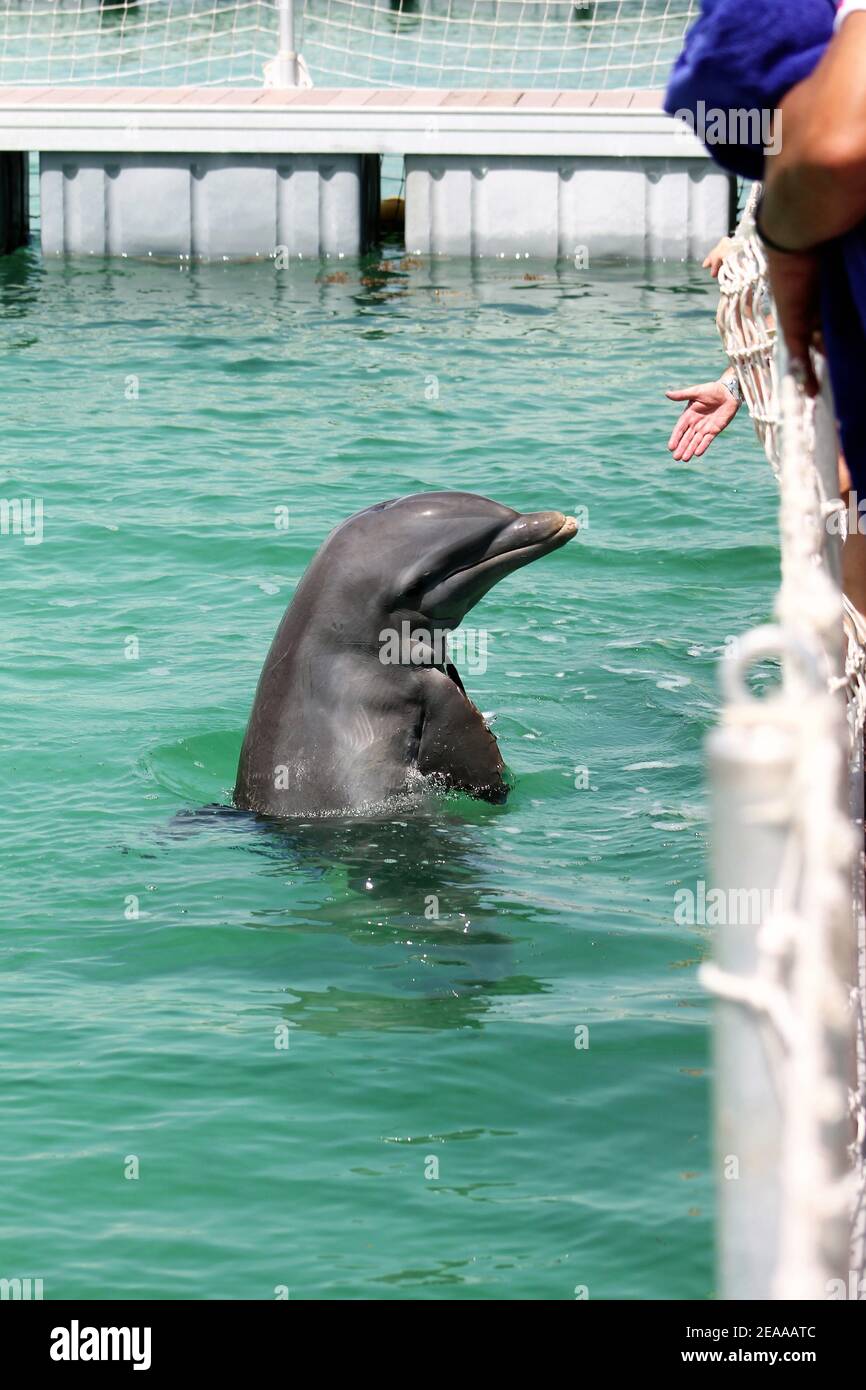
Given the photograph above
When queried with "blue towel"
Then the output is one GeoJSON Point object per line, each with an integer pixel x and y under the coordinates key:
{"type": "Point", "coordinates": [746, 54]}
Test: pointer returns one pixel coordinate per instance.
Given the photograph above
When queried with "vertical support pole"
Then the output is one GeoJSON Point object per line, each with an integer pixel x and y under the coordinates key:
{"type": "Point", "coordinates": [816, 1163]}
{"type": "Point", "coordinates": [285, 73]}
{"type": "Point", "coordinates": [858, 1232]}
{"type": "Point", "coordinates": [733, 199]}
{"type": "Point", "coordinates": [751, 763]}
{"type": "Point", "coordinates": [371, 199]}
{"type": "Point", "coordinates": [14, 201]}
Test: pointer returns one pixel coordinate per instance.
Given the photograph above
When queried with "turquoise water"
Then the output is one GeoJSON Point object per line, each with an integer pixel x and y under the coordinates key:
{"type": "Point", "coordinates": [162, 415]}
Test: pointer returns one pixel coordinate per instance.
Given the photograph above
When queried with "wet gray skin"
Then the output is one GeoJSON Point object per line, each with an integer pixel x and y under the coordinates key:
{"type": "Point", "coordinates": [357, 696]}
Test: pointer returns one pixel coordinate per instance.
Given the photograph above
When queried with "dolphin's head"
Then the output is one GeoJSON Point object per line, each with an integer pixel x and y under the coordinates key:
{"type": "Point", "coordinates": [435, 554]}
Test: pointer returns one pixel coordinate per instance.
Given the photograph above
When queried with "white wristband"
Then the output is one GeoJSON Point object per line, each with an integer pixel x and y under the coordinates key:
{"type": "Point", "coordinates": [847, 7]}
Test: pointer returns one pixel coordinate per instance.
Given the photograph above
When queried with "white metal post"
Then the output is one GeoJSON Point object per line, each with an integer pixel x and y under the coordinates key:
{"type": "Point", "coordinates": [285, 72]}
{"type": "Point", "coordinates": [751, 761]}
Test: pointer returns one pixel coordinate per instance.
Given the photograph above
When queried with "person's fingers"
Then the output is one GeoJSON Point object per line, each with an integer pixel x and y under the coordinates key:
{"type": "Point", "coordinates": [688, 393]}
{"type": "Point", "coordinates": [801, 369]}
{"type": "Point", "coordinates": [696, 446]}
{"type": "Point", "coordinates": [689, 446]}
{"type": "Point", "coordinates": [704, 443]}
{"type": "Point", "coordinates": [687, 420]}
{"type": "Point", "coordinates": [682, 449]}
{"type": "Point", "coordinates": [797, 339]}
{"type": "Point", "coordinates": [678, 431]}
{"type": "Point", "coordinates": [797, 332]}
{"type": "Point", "coordinates": [713, 259]}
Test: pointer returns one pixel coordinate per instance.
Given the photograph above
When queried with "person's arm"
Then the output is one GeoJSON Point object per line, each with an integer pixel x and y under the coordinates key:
{"type": "Point", "coordinates": [710, 408]}
{"type": "Point", "coordinates": [815, 187]}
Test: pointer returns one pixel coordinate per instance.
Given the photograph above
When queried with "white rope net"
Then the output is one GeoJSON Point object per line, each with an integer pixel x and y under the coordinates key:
{"type": "Point", "coordinates": [151, 42]}
{"type": "Point", "coordinates": [808, 986]}
{"type": "Point", "coordinates": [495, 43]}
{"type": "Point", "coordinates": [403, 43]}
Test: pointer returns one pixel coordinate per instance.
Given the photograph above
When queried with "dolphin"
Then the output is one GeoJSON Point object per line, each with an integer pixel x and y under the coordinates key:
{"type": "Point", "coordinates": [358, 702]}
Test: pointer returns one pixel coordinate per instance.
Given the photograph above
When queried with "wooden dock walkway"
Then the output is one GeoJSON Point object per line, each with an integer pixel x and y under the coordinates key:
{"type": "Point", "coordinates": [352, 120]}
{"type": "Point", "coordinates": [234, 172]}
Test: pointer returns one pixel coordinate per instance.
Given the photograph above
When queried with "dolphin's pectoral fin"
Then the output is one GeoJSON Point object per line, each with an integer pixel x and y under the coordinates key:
{"type": "Point", "coordinates": [456, 744]}
{"type": "Point", "coordinates": [454, 675]}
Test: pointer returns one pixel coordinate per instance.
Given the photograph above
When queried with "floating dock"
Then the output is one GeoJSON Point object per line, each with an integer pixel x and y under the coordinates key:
{"type": "Point", "coordinates": [227, 172]}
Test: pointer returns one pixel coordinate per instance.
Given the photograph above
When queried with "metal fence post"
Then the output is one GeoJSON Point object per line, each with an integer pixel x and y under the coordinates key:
{"type": "Point", "coordinates": [285, 71]}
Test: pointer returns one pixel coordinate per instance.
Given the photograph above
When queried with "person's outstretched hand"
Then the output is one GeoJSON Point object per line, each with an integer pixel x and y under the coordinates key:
{"type": "Point", "coordinates": [713, 259]}
{"type": "Point", "coordinates": [710, 409]}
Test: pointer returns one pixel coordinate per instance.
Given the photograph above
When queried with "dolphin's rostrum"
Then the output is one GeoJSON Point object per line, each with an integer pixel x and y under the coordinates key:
{"type": "Point", "coordinates": [349, 714]}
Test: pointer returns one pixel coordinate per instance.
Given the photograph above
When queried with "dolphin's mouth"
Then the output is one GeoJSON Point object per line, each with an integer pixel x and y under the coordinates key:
{"type": "Point", "coordinates": [550, 530]}
{"type": "Point", "coordinates": [524, 540]}
{"type": "Point", "coordinates": [517, 543]}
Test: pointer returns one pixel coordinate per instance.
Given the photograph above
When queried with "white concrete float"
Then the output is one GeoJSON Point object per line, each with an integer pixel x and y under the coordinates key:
{"type": "Point", "coordinates": [241, 172]}
{"type": "Point", "coordinates": [652, 209]}
{"type": "Point", "coordinates": [210, 207]}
